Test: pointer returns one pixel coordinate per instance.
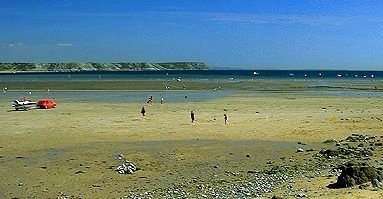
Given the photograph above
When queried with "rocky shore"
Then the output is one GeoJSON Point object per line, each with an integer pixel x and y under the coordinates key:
{"type": "Point", "coordinates": [354, 162]}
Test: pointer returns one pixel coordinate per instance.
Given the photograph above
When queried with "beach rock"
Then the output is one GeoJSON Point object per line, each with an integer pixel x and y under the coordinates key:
{"type": "Point", "coordinates": [300, 195]}
{"type": "Point", "coordinates": [309, 150]}
{"type": "Point", "coordinates": [80, 171]}
{"type": "Point", "coordinates": [277, 197]}
{"type": "Point", "coordinates": [300, 150]}
{"type": "Point", "coordinates": [356, 174]}
{"type": "Point", "coordinates": [127, 168]}
{"type": "Point", "coordinates": [346, 153]}
{"type": "Point", "coordinates": [330, 141]}
{"type": "Point", "coordinates": [359, 138]}
{"type": "Point", "coordinates": [375, 183]}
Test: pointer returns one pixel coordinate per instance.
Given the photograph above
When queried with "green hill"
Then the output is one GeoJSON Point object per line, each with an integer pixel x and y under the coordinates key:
{"type": "Point", "coordinates": [92, 66]}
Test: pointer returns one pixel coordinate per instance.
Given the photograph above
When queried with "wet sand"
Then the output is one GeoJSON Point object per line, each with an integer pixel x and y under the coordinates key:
{"type": "Point", "coordinates": [73, 150]}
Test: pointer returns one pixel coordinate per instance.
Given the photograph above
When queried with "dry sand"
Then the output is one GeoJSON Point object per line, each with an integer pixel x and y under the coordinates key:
{"type": "Point", "coordinates": [73, 150]}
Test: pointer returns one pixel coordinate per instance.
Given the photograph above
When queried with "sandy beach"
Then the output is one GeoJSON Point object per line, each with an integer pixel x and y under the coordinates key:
{"type": "Point", "coordinates": [213, 99]}
{"type": "Point", "coordinates": [72, 151]}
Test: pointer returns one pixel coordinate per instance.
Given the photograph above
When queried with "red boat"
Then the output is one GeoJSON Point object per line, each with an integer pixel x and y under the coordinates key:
{"type": "Point", "coordinates": [45, 104]}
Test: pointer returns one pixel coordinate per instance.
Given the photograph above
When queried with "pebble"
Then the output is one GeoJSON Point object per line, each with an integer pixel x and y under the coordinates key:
{"type": "Point", "coordinates": [257, 187]}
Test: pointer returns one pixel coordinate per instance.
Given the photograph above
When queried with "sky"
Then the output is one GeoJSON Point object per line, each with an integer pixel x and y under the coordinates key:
{"type": "Point", "coordinates": [242, 34]}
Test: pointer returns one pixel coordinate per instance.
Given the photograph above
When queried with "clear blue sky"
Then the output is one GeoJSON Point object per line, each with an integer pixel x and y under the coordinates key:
{"type": "Point", "coordinates": [253, 34]}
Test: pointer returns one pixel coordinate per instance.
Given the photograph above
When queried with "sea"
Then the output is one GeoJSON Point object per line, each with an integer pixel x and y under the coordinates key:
{"type": "Point", "coordinates": [191, 75]}
{"type": "Point", "coordinates": [315, 77]}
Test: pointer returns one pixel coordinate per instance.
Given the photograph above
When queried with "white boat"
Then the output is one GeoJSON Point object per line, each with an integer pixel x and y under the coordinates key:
{"type": "Point", "coordinates": [23, 105]}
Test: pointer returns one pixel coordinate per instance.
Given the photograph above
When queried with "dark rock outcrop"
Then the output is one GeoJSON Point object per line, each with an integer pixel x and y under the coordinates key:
{"type": "Point", "coordinates": [356, 174]}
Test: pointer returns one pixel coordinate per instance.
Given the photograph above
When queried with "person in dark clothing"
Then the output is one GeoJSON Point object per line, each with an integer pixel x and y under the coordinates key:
{"type": "Point", "coordinates": [225, 118]}
{"type": "Point", "coordinates": [192, 117]}
{"type": "Point", "coordinates": [143, 111]}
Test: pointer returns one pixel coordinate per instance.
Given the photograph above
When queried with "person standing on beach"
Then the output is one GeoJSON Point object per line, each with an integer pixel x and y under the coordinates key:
{"type": "Point", "coordinates": [162, 100]}
{"type": "Point", "coordinates": [225, 118]}
{"type": "Point", "coordinates": [192, 117]}
{"type": "Point", "coordinates": [143, 112]}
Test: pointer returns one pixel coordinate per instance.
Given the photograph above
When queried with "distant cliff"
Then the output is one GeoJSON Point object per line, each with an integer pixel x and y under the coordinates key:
{"type": "Point", "coordinates": [92, 66]}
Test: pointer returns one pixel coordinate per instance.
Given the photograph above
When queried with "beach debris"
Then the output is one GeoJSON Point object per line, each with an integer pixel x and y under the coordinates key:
{"type": "Point", "coordinates": [126, 168]}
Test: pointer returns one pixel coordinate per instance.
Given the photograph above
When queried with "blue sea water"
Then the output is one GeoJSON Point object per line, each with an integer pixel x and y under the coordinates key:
{"type": "Point", "coordinates": [116, 96]}
{"type": "Point", "coordinates": [315, 78]}
{"type": "Point", "coordinates": [191, 75]}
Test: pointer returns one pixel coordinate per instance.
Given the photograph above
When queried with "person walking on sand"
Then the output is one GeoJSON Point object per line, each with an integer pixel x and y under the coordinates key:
{"type": "Point", "coordinates": [150, 100]}
{"type": "Point", "coordinates": [192, 117]}
{"type": "Point", "coordinates": [225, 118]}
{"type": "Point", "coordinates": [143, 112]}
